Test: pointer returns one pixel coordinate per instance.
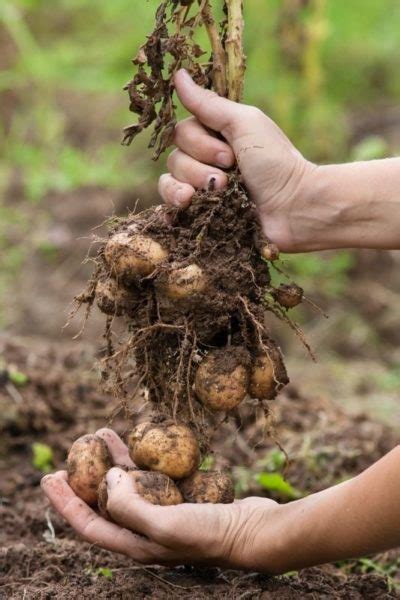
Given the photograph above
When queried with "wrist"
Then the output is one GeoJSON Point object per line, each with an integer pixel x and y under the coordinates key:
{"type": "Point", "coordinates": [319, 215]}
{"type": "Point", "coordinates": [301, 534]}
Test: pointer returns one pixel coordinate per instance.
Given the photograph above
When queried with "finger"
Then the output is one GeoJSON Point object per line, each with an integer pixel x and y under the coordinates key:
{"type": "Point", "coordinates": [175, 192]}
{"type": "Point", "coordinates": [188, 170]}
{"type": "Point", "coordinates": [93, 528]}
{"type": "Point", "coordinates": [129, 509]}
{"type": "Point", "coordinates": [118, 450]}
{"type": "Point", "coordinates": [193, 139]}
{"type": "Point", "coordinates": [209, 108]}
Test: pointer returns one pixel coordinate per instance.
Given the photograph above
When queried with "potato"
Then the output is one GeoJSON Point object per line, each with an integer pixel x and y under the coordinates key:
{"type": "Point", "coordinates": [111, 297]}
{"type": "Point", "coordinates": [288, 296]}
{"type": "Point", "coordinates": [268, 375]}
{"type": "Point", "coordinates": [270, 252]}
{"type": "Point", "coordinates": [212, 486]}
{"type": "Point", "coordinates": [185, 282]}
{"type": "Point", "coordinates": [222, 378]}
{"type": "Point", "coordinates": [166, 447]}
{"type": "Point", "coordinates": [88, 461]}
{"type": "Point", "coordinates": [131, 255]}
{"type": "Point", "coordinates": [156, 488]}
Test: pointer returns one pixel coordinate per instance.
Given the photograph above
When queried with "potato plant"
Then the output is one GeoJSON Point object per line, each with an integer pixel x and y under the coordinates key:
{"type": "Point", "coordinates": [192, 285]}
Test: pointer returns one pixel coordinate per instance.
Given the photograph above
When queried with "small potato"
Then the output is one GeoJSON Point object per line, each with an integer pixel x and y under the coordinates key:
{"type": "Point", "coordinates": [111, 297]}
{"type": "Point", "coordinates": [165, 447]}
{"type": "Point", "coordinates": [88, 461]}
{"type": "Point", "coordinates": [133, 255]}
{"type": "Point", "coordinates": [270, 252]}
{"type": "Point", "coordinates": [156, 488]}
{"type": "Point", "coordinates": [222, 378]}
{"type": "Point", "coordinates": [288, 296]}
{"type": "Point", "coordinates": [268, 375]}
{"type": "Point", "coordinates": [215, 487]}
{"type": "Point", "coordinates": [185, 282]}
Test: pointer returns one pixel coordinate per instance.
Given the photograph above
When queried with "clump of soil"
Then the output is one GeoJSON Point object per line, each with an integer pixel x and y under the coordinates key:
{"type": "Point", "coordinates": [208, 292]}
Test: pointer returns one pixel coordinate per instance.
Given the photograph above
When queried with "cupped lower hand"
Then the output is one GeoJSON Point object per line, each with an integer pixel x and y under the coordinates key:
{"type": "Point", "coordinates": [217, 534]}
{"type": "Point", "coordinates": [277, 176]}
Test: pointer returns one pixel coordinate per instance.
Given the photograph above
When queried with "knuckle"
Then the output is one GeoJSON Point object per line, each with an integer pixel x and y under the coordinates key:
{"type": "Point", "coordinates": [116, 502]}
{"type": "Point", "coordinates": [205, 99]}
{"type": "Point", "coordinates": [171, 159]}
{"type": "Point", "coordinates": [163, 182]}
{"type": "Point", "coordinates": [255, 113]}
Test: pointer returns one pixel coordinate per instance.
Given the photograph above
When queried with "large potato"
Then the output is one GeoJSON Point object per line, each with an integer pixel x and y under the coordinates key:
{"type": "Point", "coordinates": [268, 374]}
{"type": "Point", "coordinates": [156, 488]}
{"type": "Point", "coordinates": [165, 447]}
{"type": "Point", "coordinates": [133, 255]}
{"type": "Point", "coordinates": [185, 282]}
{"type": "Point", "coordinates": [212, 486]}
{"type": "Point", "coordinates": [88, 461]}
{"type": "Point", "coordinates": [222, 378]}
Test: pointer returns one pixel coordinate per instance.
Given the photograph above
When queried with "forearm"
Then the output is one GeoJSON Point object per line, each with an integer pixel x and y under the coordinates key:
{"type": "Point", "coordinates": [355, 205]}
{"type": "Point", "coordinates": [358, 517]}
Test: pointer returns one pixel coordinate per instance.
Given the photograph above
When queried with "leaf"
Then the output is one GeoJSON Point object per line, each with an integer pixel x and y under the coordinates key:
{"type": "Point", "coordinates": [105, 572]}
{"type": "Point", "coordinates": [276, 483]}
{"type": "Point", "coordinates": [42, 457]}
{"type": "Point", "coordinates": [18, 378]}
{"type": "Point", "coordinates": [208, 463]}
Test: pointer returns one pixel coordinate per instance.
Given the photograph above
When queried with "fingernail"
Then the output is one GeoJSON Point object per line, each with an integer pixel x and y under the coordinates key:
{"type": "Point", "coordinates": [223, 159]}
{"type": "Point", "coordinates": [214, 181]}
{"type": "Point", "coordinates": [112, 477]}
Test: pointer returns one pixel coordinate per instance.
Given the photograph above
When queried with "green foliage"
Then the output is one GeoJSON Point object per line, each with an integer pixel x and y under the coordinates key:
{"type": "Point", "coordinates": [268, 472]}
{"type": "Point", "coordinates": [371, 147]}
{"type": "Point", "coordinates": [105, 572]}
{"type": "Point", "coordinates": [321, 273]}
{"type": "Point", "coordinates": [274, 482]}
{"type": "Point", "coordinates": [62, 70]}
{"type": "Point", "coordinates": [382, 565]}
{"type": "Point", "coordinates": [42, 457]}
{"type": "Point", "coordinates": [208, 463]}
{"type": "Point", "coordinates": [18, 378]}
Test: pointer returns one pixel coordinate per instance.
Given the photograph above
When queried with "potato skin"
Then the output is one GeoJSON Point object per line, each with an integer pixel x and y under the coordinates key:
{"type": "Point", "coordinates": [133, 255]}
{"type": "Point", "coordinates": [215, 487]}
{"type": "Point", "coordinates": [268, 375]}
{"type": "Point", "coordinates": [165, 447]}
{"type": "Point", "coordinates": [88, 461]}
{"type": "Point", "coordinates": [288, 295]}
{"type": "Point", "coordinates": [155, 487]}
{"type": "Point", "coordinates": [185, 282]}
{"type": "Point", "coordinates": [112, 298]}
{"type": "Point", "coordinates": [222, 378]}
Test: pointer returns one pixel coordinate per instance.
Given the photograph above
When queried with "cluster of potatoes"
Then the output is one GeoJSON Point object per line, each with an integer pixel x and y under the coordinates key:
{"type": "Point", "coordinates": [167, 459]}
{"type": "Point", "coordinates": [166, 454]}
{"type": "Point", "coordinates": [131, 256]}
{"type": "Point", "coordinates": [227, 375]}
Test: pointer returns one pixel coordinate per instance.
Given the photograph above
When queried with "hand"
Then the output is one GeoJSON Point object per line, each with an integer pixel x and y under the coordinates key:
{"type": "Point", "coordinates": [276, 174]}
{"type": "Point", "coordinates": [217, 534]}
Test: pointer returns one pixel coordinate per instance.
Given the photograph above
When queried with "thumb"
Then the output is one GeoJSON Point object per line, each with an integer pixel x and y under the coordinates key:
{"type": "Point", "coordinates": [212, 110]}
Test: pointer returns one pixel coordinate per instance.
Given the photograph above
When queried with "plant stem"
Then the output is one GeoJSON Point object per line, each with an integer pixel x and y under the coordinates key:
{"type": "Point", "coordinates": [219, 56]}
{"type": "Point", "coordinates": [234, 49]}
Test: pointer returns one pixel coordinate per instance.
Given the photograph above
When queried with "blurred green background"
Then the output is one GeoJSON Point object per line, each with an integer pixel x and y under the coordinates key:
{"type": "Point", "coordinates": [326, 70]}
